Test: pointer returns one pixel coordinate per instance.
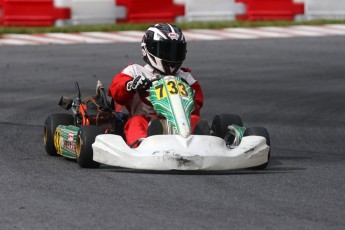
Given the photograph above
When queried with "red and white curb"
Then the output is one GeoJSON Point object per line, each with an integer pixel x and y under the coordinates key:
{"type": "Point", "coordinates": [191, 35]}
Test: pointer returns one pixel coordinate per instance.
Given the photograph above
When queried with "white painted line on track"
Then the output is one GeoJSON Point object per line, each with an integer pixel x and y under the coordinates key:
{"type": "Point", "coordinates": [77, 37]}
{"type": "Point", "coordinates": [322, 30]}
{"type": "Point", "coordinates": [191, 35]}
{"type": "Point", "coordinates": [305, 32]}
{"type": "Point", "coordinates": [277, 30]}
{"type": "Point", "coordinates": [133, 34]}
{"type": "Point", "coordinates": [291, 32]}
{"type": "Point", "coordinates": [14, 41]}
{"type": "Point", "coordinates": [115, 37]}
{"type": "Point", "coordinates": [340, 27]}
{"type": "Point", "coordinates": [37, 39]}
{"type": "Point", "coordinates": [226, 34]}
{"type": "Point", "coordinates": [257, 32]}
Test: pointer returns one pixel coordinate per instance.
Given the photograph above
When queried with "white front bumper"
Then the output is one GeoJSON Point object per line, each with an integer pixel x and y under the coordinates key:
{"type": "Point", "coordinates": [174, 152]}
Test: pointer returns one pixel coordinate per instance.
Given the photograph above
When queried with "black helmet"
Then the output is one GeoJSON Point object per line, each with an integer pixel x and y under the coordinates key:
{"type": "Point", "coordinates": [164, 47]}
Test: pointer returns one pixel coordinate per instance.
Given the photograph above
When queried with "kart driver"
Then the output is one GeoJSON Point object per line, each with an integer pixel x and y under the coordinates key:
{"type": "Point", "coordinates": [164, 50]}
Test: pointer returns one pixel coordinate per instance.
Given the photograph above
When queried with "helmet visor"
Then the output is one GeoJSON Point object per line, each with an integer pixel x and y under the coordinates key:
{"type": "Point", "coordinates": [172, 51]}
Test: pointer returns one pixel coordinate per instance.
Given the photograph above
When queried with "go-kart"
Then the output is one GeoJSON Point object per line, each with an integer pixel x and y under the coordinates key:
{"type": "Point", "coordinates": [170, 144]}
{"type": "Point", "coordinates": [226, 145]}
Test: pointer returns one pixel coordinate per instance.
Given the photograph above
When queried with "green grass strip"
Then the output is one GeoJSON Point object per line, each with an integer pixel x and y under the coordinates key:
{"type": "Point", "coordinates": [143, 26]}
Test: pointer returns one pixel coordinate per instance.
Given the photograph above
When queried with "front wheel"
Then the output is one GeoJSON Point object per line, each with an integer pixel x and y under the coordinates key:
{"type": "Point", "coordinates": [260, 131]}
{"type": "Point", "coordinates": [50, 125]}
{"type": "Point", "coordinates": [86, 138]}
{"type": "Point", "coordinates": [220, 125]}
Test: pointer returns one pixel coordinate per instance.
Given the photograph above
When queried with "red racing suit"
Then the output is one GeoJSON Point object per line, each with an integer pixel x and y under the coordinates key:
{"type": "Point", "coordinates": [141, 112]}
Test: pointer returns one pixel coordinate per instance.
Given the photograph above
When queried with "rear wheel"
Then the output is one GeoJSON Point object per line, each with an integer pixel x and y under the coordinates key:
{"type": "Point", "coordinates": [50, 125]}
{"type": "Point", "coordinates": [260, 131]}
{"type": "Point", "coordinates": [86, 138]}
{"type": "Point", "coordinates": [221, 122]}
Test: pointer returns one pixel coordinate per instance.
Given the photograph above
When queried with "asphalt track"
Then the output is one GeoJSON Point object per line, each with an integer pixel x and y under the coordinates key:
{"type": "Point", "coordinates": [293, 87]}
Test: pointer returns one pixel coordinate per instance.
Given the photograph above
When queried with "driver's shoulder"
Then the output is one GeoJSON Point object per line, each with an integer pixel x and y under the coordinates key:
{"type": "Point", "coordinates": [186, 69]}
{"type": "Point", "coordinates": [186, 74]}
{"type": "Point", "coordinates": [134, 70]}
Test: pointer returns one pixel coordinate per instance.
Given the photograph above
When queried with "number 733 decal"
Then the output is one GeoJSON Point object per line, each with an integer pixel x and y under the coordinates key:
{"type": "Point", "coordinates": [172, 87]}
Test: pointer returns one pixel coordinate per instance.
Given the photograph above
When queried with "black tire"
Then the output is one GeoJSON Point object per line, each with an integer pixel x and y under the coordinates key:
{"type": "Point", "coordinates": [202, 128]}
{"type": "Point", "coordinates": [221, 122]}
{"type": "Point", "coordinates": [86, 138]}
{"type": "Point", "coordinates": [260, 131]}
{"type": "Point", "coordinates": [155, 127]}
{"type": "Point", "coordinates": [50, 125]}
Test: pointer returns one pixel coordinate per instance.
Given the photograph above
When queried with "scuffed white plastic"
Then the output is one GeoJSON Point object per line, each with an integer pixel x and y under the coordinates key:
{"type": "Point", "coordinates": [174, 152]}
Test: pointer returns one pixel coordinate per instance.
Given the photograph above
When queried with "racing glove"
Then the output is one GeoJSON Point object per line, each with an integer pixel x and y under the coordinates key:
{"type": "Point", "coordinates": [140, 83]}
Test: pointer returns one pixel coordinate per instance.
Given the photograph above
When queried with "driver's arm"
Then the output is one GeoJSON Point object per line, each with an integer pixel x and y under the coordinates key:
{"type": "Point", "coordinates": [118, 90]}
{"type": "Point", "coordinates": [198, 98]}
